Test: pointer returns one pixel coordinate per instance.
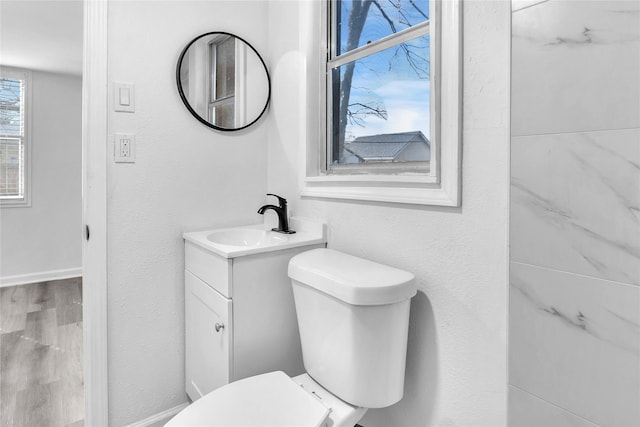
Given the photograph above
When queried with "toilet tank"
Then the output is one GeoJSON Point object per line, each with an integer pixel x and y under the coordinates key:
{"type": "Point", "coordinates": [353, 316]}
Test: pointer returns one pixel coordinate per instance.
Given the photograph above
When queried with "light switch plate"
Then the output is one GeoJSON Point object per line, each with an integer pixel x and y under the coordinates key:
{"type": "Point", "coordinates": [124, 99]}
{"type": "Point", "coordinates": [124, 148]}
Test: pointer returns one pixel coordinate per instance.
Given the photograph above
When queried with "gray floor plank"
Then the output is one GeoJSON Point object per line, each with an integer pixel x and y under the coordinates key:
{"type": "Point", "coordinates": [40, 296]}
{"type": "Point", "coordinates": [13, 308]}
{"type": "Point", "coordinates": [41, 378]}
{"type": "Point", "coordinates": [68, 297]}
{"type": "Point", "coordinates": [15, 355]}
{"type": "Point", "coordinates": [69, 363]}
{"type": "Point", "coordinates": [10, 374]}
{"type": "Point", "coordinates": [40, 405]}
{"type": "Point", "coordinates": [7, 410]}
{"type": "Point", "coordinates": [42, 326]}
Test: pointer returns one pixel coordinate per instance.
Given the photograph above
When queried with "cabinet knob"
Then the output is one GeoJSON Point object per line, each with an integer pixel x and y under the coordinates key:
{"type": "Point", "coordinates": [219, 326]}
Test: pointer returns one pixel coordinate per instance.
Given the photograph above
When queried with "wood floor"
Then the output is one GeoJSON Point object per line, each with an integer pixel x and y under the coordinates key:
{"type": "Point", "coordinates": [41, 380]}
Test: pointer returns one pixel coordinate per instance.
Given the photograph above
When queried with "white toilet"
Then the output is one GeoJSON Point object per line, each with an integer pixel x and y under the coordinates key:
{"type": "Point", "coordinates": [353, 316]}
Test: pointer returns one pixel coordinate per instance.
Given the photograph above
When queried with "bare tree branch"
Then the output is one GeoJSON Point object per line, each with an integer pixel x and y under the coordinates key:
{"type": "Point", "coordinates": [357, 116]}
{"type": "Point", "coordinates": [415, 6]}
{"type": "Point", "coordinates": [385, 16]}
{"type": "Point", "coordinates": [413, 62]}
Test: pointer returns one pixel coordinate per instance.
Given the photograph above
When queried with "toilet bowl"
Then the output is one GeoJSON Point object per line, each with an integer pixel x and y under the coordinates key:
{"type": "Point", "coordinates": [353, 316]}
{"type": "Point", "coordinates": [272, 399]}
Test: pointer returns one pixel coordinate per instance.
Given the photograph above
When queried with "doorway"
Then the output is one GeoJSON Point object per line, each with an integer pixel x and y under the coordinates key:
{"type": "Point", "coordinates": [41, 252]}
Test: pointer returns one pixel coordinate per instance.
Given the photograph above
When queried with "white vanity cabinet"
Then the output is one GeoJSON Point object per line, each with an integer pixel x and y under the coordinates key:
{"type": "Point", "coordinates": [240, 317]}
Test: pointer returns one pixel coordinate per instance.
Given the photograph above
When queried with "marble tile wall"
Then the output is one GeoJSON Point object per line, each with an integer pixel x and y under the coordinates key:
{"type": "Point", "coordinates": [574, 340]}
{"type": "Point", "coordinates": [531, 411]}
{"type": "Point", "coordinates": [575, 66]}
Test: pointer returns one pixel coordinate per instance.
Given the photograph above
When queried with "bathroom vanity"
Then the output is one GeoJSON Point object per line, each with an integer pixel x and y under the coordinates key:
{"type": "Point", "coordinates": [240, 316]}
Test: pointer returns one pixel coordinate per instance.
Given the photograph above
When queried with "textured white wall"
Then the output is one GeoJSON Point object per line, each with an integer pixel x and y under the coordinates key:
{"type": "Point", "coordinates": [186, 177]}
{"type": "Point", "coordinates": [47, 236]}
{"type": "Point", "coordinates": [456, 372]}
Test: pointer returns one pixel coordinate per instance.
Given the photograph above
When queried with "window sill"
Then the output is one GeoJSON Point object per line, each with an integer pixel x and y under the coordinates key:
{"type": "Point", "coordinates": [407, 189]}
{"type": "Point", "coordinates": [15, 203]}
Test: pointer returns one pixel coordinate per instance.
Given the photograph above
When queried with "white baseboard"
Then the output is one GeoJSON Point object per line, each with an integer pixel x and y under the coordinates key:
{"type": "Point", "coordinates": [160, 418]}
{"type": "Point", "coordinates": [43, 276]}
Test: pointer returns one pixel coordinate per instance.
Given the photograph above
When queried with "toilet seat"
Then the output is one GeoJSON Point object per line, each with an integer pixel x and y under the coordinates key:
{"type": "Point", "coordinates": [271, 399]}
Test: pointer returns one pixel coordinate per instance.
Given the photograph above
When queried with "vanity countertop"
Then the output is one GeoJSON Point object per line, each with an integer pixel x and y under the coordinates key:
{"type": "Point", "coordinates": [233, 242]}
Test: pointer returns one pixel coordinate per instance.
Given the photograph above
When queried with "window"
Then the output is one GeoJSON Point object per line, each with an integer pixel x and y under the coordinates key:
{"type": "Point", "coordinates": [378, 83]}
{"type": "Point", "coordinates": [390, 97]}
{"type": "Point", "coordinates": [14, 145]}
{"type": "Point", "coordinates": [222, 87]}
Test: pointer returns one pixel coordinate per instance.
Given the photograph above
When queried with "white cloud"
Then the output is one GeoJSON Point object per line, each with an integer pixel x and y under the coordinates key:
{"type": "Point", "coordinates": [407, 105]}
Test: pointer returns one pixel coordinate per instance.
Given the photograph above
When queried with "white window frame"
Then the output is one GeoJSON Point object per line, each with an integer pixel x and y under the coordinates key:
{"type": "Point", "coordinates": [441, 185]}
{"type": "Point", "coordinates": [25, 200]}
{"type": "Point", "coordinates": [213, 100]}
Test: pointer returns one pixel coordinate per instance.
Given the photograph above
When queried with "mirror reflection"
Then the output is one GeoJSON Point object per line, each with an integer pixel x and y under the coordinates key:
{"type": "Point", "coordinates": [223, 81]}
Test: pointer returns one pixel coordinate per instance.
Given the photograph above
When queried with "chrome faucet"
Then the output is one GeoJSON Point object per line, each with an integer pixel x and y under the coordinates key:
{"type": "Point", "coordinates": [283, 221]}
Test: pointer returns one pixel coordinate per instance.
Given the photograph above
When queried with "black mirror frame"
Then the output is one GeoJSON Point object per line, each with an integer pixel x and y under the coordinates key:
{"type": "Point", "coordinates": [186, 101]}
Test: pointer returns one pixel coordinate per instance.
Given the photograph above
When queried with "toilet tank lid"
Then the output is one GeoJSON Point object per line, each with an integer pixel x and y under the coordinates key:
{"type": "Point", "coordinates": [351, 279]}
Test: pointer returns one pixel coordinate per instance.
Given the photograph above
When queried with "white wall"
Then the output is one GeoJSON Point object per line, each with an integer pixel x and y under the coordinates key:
{"type": "Point", "coordinates": [456, 372]}
{"type": "Point", "coordinates": [574, 330]}
{"type": "Point", "coordinates": [46, 237]}
{"type": "Point", "coordinates": [186, 177]}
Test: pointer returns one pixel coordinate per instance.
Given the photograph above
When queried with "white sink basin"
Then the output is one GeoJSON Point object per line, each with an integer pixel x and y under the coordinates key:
{"type": "Point", "coordinates": [258, 238]}
{"type": "Point", "coordinates": [246, 237]}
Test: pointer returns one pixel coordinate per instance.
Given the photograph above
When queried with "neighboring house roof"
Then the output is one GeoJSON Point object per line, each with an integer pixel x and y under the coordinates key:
{"type": "Point", "coordinates": [385, 146]}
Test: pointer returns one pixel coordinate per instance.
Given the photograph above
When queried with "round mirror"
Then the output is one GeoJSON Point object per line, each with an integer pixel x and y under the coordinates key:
{"type": "Point", "coordinates": [223, 81]}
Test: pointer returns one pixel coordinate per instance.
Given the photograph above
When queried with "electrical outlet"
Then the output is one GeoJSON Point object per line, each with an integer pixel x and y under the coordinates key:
{"type": "Point", "coordinates": [124, 148]}
{"type": "Point", "coordinates": [125, 151]}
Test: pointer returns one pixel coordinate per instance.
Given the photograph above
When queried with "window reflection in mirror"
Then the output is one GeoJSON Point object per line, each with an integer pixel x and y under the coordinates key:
{"type": "Point", "coordinates": [223, 81]}
{"type": "Point", "coordinates": [222, 66]}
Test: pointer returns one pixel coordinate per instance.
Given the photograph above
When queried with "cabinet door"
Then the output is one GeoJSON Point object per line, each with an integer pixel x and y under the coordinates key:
{"type": "Point", "coordinates": [207, 333]}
